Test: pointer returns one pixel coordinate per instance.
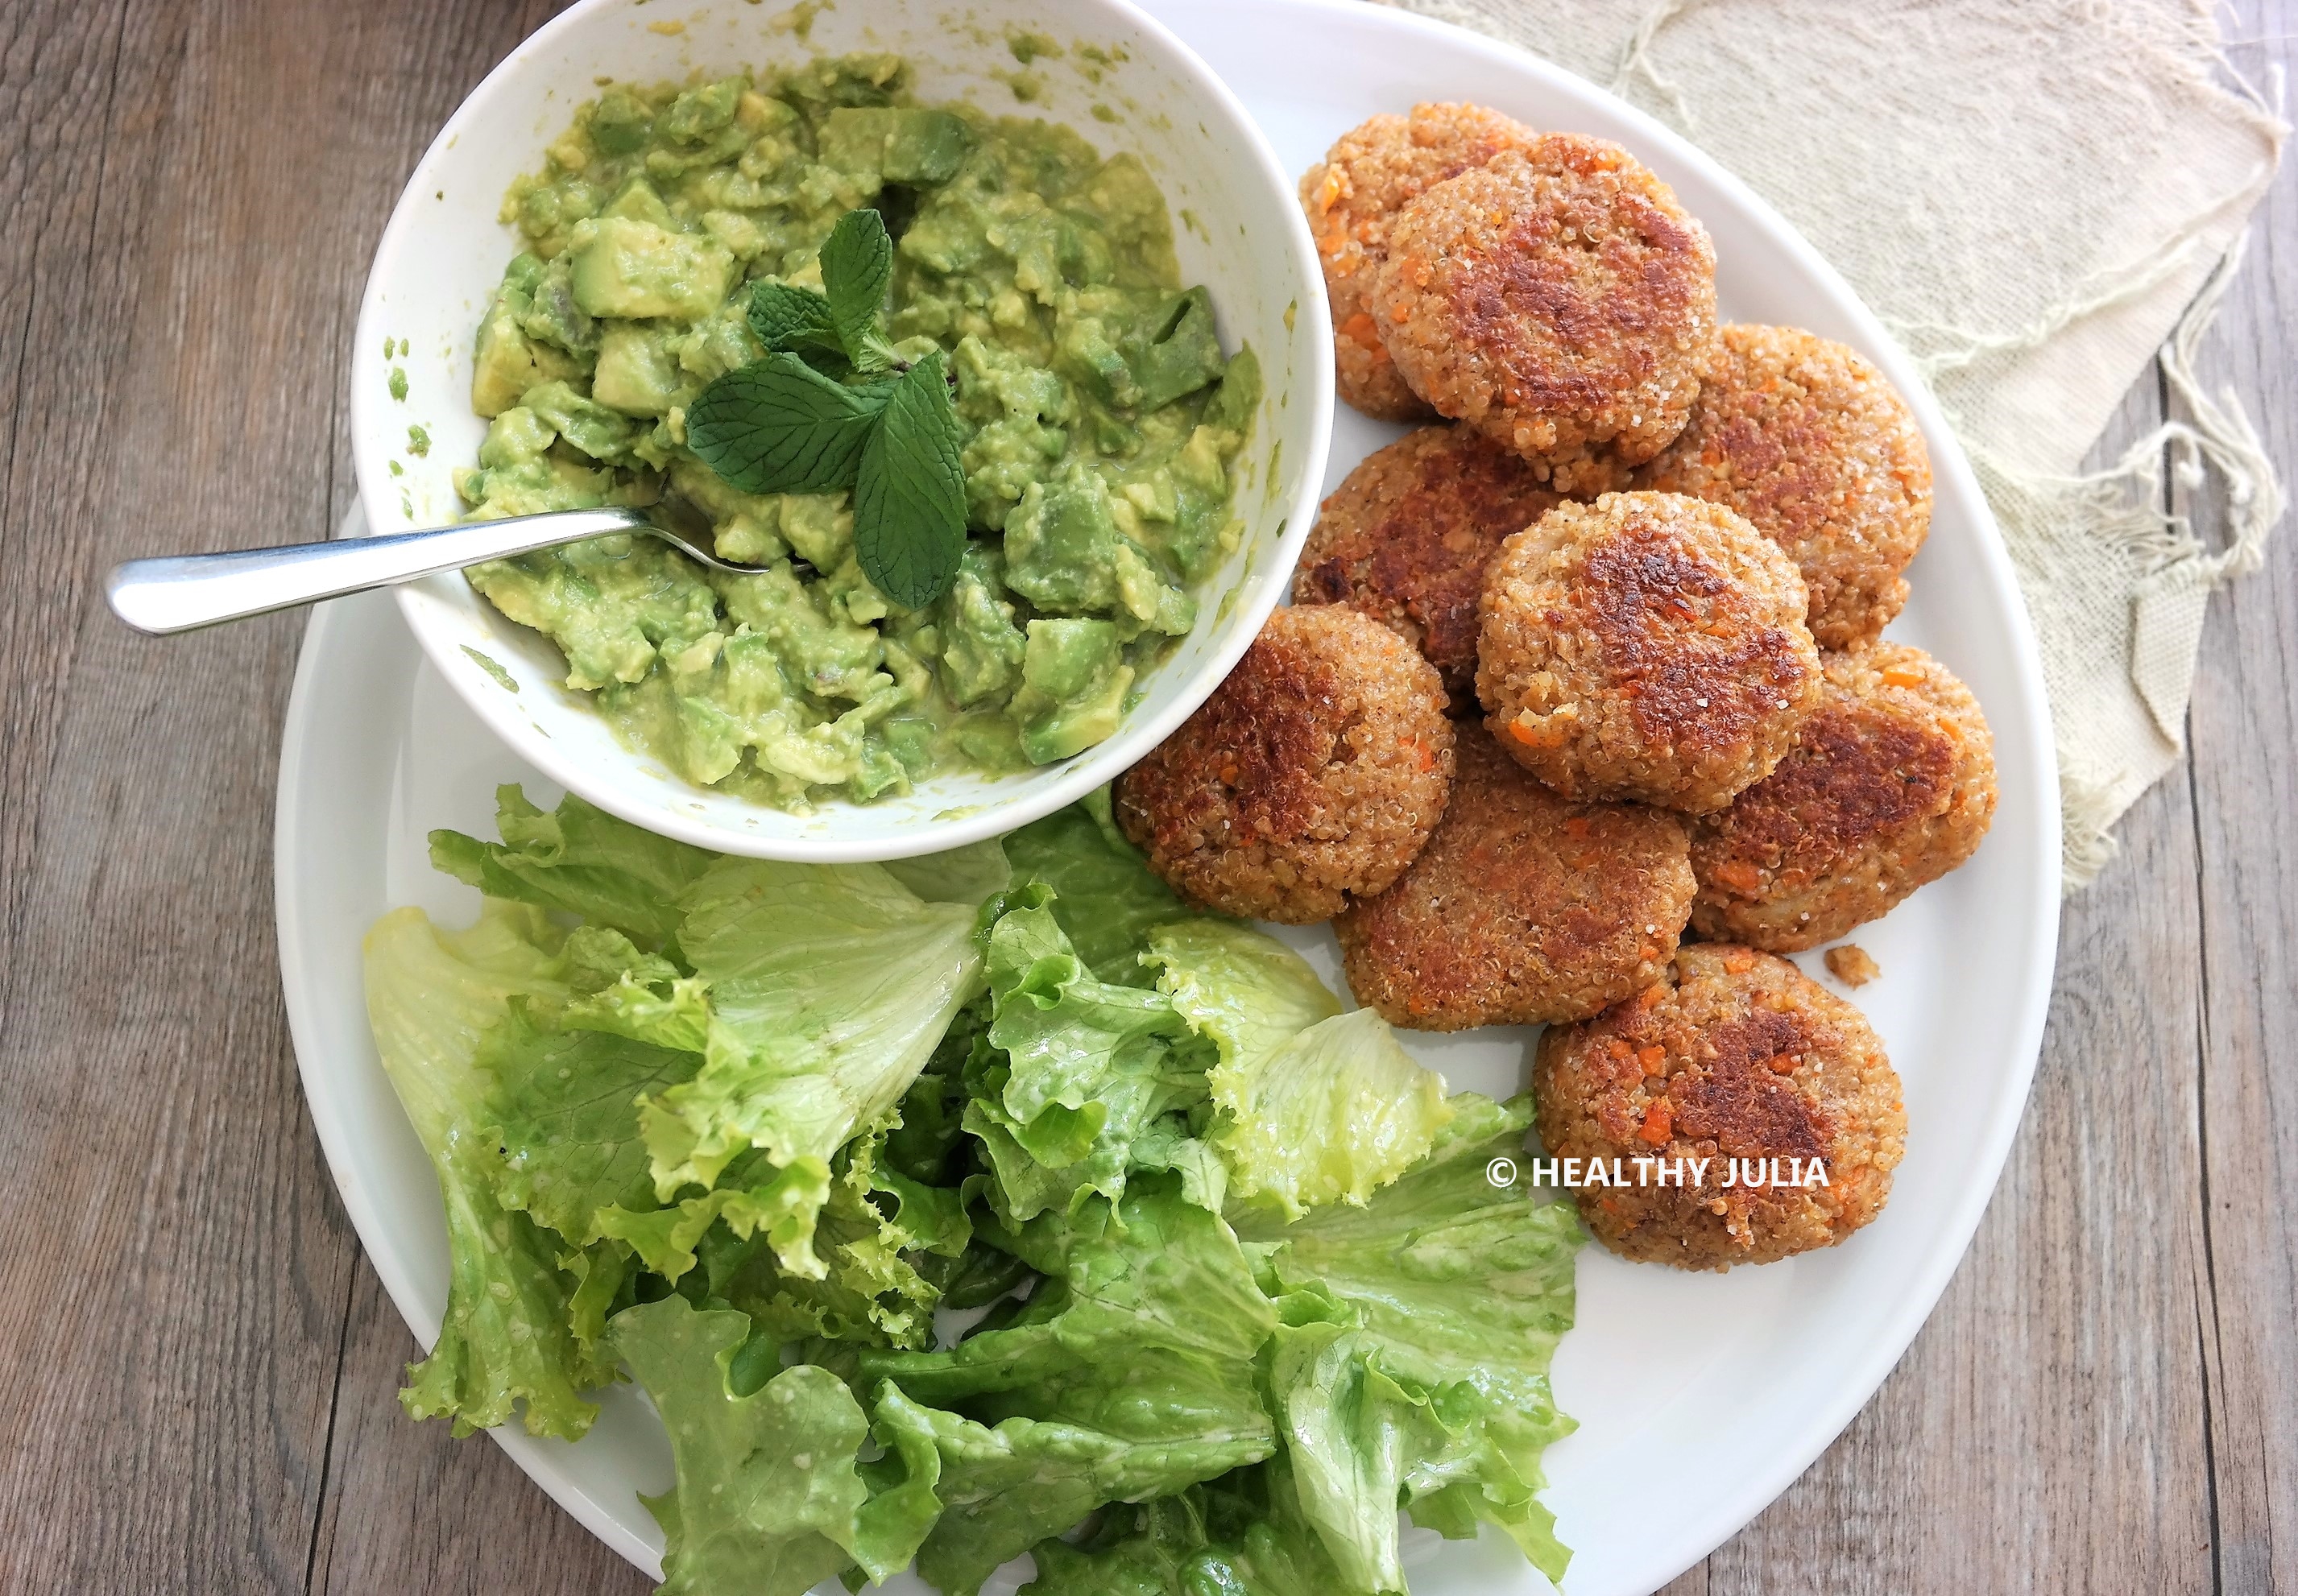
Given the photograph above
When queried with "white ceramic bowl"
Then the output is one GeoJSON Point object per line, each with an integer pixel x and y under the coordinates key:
{"type": "Point", "coordinates": [444, 250]}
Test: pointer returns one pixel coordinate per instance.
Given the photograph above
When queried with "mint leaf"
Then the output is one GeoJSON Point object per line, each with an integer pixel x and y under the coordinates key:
{"type": "Point", "coordinates": [857, 264]}
{"type": "Point", "coordinates": [780, 426]}
{"type": "Point", "coordinates": [790, 319]}
{"type": "Point", "coordinates": [909, 498]}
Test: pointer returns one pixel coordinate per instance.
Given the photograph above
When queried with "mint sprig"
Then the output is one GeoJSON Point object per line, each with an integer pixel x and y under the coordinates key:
{"type": "Point", "coordinates": [780, 426]}
{"type": "Point", "coordinates": [832, 405]}
{"type": "Point", "coordinates": [909, 496]}
{"type": "Point", "coordinates": [792, 318]}
{"type": "Point", "coordinates": [858, 266]}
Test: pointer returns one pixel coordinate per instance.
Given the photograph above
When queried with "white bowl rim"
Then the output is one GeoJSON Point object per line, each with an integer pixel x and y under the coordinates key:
{"type": "Point", "coordinates": [1093, 767]}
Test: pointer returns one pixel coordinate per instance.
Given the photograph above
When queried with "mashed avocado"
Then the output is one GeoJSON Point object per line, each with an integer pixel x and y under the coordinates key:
{"type": "Point", "coordinates": [1100, 420]}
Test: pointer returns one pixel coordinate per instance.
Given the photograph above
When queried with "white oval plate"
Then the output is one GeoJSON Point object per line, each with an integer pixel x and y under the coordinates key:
{"type": "Point", "coordinates": [1709, 1393]}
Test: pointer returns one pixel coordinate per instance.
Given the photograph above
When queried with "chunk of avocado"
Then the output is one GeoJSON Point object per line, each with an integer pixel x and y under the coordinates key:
{"type": "Point", "coordinates": [516, 437]}
{"type": "Point", "coordinates": [637, 374]}
{"type": "Point", "coordinates": [1061, 544]}
{"type": "Point", "coordinates": [895, 144]}
{"type": "Point", "coordinates": [1073, 685]}
{"type": "Point", "coordinates": [701, 111]}
{"type": "Point", "coordinates": [620, 122]}
{"type": "Point", "coordinates": [584, 423]}
{"type": "Point", "coordinates": [1175, 350]}
{"type": "Point", "coordinates": [1064, 554]}
{"type": "Point", "coordinates": [637, 201]}
{"type": "Point", "coordinates": [625, 267]}
{"type": "Point", "coordinates": [552, 316]}
{"type": "Point", "coordinates": [982, 649]}
{"type": "Point", "coordinates": [504, 365]}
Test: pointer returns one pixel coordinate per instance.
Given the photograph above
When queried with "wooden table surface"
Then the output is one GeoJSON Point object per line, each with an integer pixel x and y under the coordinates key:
{"type": "Point", "coordinates": [2106, 1399]}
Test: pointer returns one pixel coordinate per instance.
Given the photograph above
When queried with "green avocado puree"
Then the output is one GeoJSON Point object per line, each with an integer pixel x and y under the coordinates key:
{"type": "Point", "coordinates": [1101, 421]}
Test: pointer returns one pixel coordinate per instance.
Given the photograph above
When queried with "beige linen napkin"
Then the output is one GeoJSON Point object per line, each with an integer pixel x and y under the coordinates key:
{"type": "Point", "coordinates": [2039, 199]}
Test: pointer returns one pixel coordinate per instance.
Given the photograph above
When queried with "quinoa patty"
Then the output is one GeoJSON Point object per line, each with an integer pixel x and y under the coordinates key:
{"type": "Point", "coordinates": [1523, 907]}
{"type": "Point", "coordinates": [1352, 195]}
{"type": "Point", "coordinates": [1407, 538]}
{"type": "Point", "coordinates": [1890, 785]}
{"type": "Point", "coordinates": [1558, 299]}
{"type": "Point", "coordinates": [1735, 1054]}
{"type": "Point", "coordinates": [1810, 444]}
{"type": "Point", "coordinates": [1316, 770]}
{"type": "Point", "coordinates": [1647, 647]}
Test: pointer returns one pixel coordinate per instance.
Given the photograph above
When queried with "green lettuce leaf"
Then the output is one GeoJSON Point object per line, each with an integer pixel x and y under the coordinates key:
{"type": "Point", "coordinates": [830, 987]}
{"type": "Point", "coordinates": [1351, 1431]}
{"type": "Point", "coordinates": [887, 1246]}
{"type": "Point", "coordinates": [1062, 1029]}
{"type": "Point", "coordinates": [1079, 1073]}
{"type": "Point", "coordinates": [507, 1336]}
{"type": "Point", "coordinates": [1247, 991]}
{"type": "Point", "coordinates": [1164, 1550]}
{"type": "Point", "coordinates": [972, 874]}
{"type": "Point", "coordinates": [783, 1205]}
{"type": "Point", "coordinates": [627, 993]}
{"type": "Point", "coordinates": [1104, 897]}
{"type": "Point", "coordinates": [579, 860]}
{"type": "Point", "coordinates": [1240, 1536]}
{"type": "Point", "coordinates": [606, 1282]}
{"type": "Point", "coordinates": [565, 1107]}
{"type": "Point", "coordinates": [1437, 1308]}
{"type": "Point", "coordinates": [928, 1146]}
{"type": "Point", "coordinates": [770, 1497]}
{"type": "Point", "coordinates": [1315, 1106]}
{"type": "Point", "coordinates": [1334, 1114]}
{"type": "Point", "coordinates": [1005, 1487]}
{"type": "Point", "coordinates": [1128, 1375]}
{"type": "Point", "coordinates": [874, 1290]}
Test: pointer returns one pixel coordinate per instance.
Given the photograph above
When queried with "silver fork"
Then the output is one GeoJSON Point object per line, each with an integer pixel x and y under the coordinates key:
{"type": "Point", "coordinates": [185, 592]}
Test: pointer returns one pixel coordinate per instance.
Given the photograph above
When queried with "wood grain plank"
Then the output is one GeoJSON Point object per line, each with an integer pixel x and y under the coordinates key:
{"type": "Point", "coordinates": [198, 191]}
{"type": "Point", "coordinates": [408, 1500]}
{"type": "Point", "coordinates": [2242, 729]}
{"type": "Point", "coordinates": [181, 1271]}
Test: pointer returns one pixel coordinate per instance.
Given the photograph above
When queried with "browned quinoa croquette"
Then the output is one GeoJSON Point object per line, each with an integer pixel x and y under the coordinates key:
{"type": "Point", "coordinates": [1316, 770]}
{"type": "Point", "coordinates": [1406, 539]}
{"type": "Point", "coordinates": [1352, 195]}
{"type": "Point", "coordinates": [1811, 443]}
{"type": "Point", "coordinates": [1735, 1054]}
{"type": "Point", "coordinates": [1523, 907]}
{"type": "Point", "coordinates": [1647, 647]}
{"type": "Point", "coordinates": [1560, 301]}
{"type": "Point", "coordinates": [1890, 785]}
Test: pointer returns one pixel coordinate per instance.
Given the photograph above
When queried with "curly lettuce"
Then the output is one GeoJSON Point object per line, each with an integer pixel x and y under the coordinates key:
{"type": "Point", "coordinates": [1237, 1286]}
{"type": "Point", "coordinates": [1314, 1106]}
{"type": "Point", "coordinates": [507, 1340]}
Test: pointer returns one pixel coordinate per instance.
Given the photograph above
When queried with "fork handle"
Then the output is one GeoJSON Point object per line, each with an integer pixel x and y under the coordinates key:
{"type": "Point", "coordinates": [185, 592]}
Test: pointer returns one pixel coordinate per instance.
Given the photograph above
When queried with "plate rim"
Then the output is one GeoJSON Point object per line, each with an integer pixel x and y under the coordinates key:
{"type": "Point", "coordinates": [1989, 1139]}
{"type": "Point", "coordinates": [1759, 1487]}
